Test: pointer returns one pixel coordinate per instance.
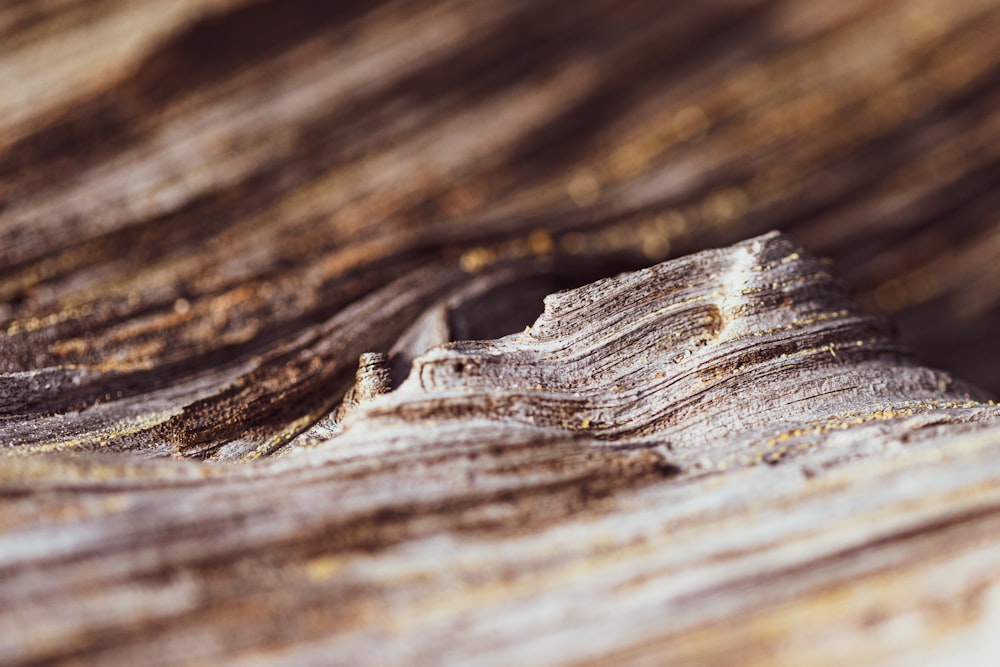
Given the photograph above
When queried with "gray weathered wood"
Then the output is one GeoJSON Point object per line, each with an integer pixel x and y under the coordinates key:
{"type": "Point", "coordinates": [717, 459]}
{"type": "Point", "coordinates": [210, 210]}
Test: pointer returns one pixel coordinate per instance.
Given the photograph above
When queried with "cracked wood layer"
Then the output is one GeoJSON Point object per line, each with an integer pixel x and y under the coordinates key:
{"type": "Point", "coordinates": [716, 460]}
{"type": "Point", "coordinates": [211, 209]}
{"type": "Point", "coordinates": [208, 209]}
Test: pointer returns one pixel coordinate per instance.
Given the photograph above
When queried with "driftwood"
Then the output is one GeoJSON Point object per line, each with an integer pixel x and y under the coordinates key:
{"type": "Point", "coordinates": [275, 389]}
{"type": "Point", "coordinates": [595, 487]}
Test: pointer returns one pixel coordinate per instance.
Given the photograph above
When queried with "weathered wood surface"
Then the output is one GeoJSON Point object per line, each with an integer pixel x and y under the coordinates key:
{"type": "Point", "coordinates": [209, 210]}
{"type": "Point", "coordinates": [596, 487]}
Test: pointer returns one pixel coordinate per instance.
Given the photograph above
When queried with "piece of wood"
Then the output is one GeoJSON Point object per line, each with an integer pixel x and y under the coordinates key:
{"type": "Point", "coordinates": [664, 466]}
{"type": "Point", "coordinates": [212, 210]}
{"type": "Point", "coordinates": [188, 231]}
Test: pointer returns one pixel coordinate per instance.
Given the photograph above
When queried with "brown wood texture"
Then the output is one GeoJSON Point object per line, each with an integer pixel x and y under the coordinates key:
{"type": "Point", "coordinates": [341, 332]}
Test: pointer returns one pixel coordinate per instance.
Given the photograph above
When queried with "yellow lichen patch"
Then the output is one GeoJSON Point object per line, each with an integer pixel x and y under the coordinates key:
{"type": "Point", "coordinates": [323, 567]}
{"type": "Point", "coordinates": [135, 357]}
{"type": "Point", "coordinates": [540, 242]}
{"type": "Point", "coordinates": [880, 413]}
{"type": "Point", "coordinates": [52, 319]}
{"type": "Point", "coordinates": [69, 347]}
{"type": "Point", "coordinates": [98, 438]}
{"type": "Point", "coordinates": [476, 259]}
{"type": "Point", "coordinates": [289, 432]}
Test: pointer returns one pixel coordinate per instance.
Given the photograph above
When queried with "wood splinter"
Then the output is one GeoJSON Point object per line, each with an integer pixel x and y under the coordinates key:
{"type": "Point", "coordinates": [372, 379]}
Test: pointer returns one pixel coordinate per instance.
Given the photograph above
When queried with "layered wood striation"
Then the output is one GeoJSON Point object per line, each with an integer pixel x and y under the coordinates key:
{"type": "Point", "coordinates": [594, 488]}
{"type": "Point", "coordinates": [211, 210]}
{"type": "Point", "coordinates": [194, 195]}
{"type": "Point", "coordinates": [724, 345]}
{"type": "Point", "coordinates": [722, 359]}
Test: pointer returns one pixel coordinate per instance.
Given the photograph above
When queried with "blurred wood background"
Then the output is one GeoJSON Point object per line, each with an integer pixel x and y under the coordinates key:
{"type": "Point", "coordinates": [210, 208]}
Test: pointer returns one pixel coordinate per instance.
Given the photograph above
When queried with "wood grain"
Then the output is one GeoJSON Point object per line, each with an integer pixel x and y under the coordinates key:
{"type": "Point", "coordinates": [212, 210]}
{"type": "Point", "coordinates": [718, 441]}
